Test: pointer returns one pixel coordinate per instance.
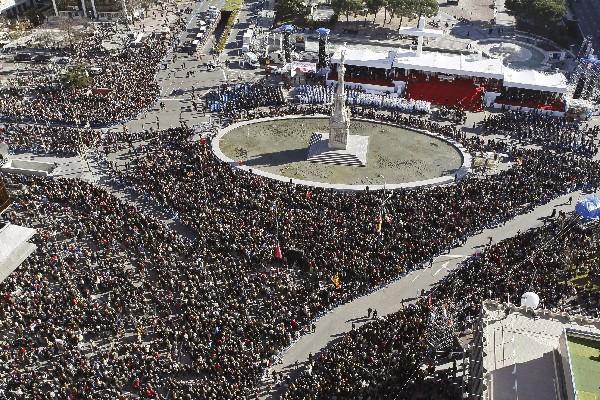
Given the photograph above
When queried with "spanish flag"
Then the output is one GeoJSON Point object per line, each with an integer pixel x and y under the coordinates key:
{"type": "Point", "coordinates": [278, 254]}
{"type": "Point", "coordinates": [336, 281]}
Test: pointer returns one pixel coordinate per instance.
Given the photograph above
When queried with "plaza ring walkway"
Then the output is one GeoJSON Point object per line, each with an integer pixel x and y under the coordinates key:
{"type": "Point", "coordinates": [460, 173]}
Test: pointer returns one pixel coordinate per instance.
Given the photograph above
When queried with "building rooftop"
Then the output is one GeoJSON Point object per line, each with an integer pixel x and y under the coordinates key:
{"type": "Point", "coordinates": [449, 63]}
{"type": "Point", "coordinates": [14, 247]}
{"type": "Point", "coordinates": [8, 4]}
{"type": "Point", "coordinates": [535, 80]}
{"type": "Point", "coordinates": [365, 57]}
{"type": "Point", "coordinates": [584, 354]}
{"type": "Point", "coordinates": [520, 351]}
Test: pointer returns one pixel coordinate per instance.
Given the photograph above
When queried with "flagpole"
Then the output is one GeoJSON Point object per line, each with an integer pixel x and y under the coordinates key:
{"type": "Point", "coordinates": [276, 224]}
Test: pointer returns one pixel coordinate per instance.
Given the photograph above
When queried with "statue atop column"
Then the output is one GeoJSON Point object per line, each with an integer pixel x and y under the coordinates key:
{"type": "Point", "coordinates": [338, 146]}
{"type": "Point", "coordinates": [339, 122]}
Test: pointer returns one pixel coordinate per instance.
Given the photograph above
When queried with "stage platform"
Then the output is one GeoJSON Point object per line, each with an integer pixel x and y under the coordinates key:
{"type": "Point", "coordinates": [457, 93]}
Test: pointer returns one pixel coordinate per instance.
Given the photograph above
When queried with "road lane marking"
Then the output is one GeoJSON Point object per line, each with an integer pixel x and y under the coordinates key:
{"type": "Point", "coordinates": [444, 265]}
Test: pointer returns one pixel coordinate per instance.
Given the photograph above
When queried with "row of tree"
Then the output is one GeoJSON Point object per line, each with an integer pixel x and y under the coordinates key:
{"type": "Point", "coordinates": [543, 13]}
{"type": "Point", "coordinates": [410, 9]}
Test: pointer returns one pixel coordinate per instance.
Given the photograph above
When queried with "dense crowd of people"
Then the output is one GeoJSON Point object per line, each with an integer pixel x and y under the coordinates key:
{"type": "Point", "coordinates": [544, 260]}
{"type": "Point", "coordinates": [531, 98]}
{"type": "Point", "coordinates": [559, 134]}
{"type": "Point", "coordinates": [51, 140]}
{"type": "Point", "coordinates": [380, 358]}
{"type": "Point", "coordinates": [259, 304]}
{"type": "Point", "coordinates": [237, 212]}
{"type": "Point", "coordinates": [321, 94]}
{"type": "Point", "coordinates": [387, 358]}
{"type": "Point", "coordinates": [244, 96]}
{"type": "Point", "coordinates": [123, 86]}
{"type": "Point", "coordinates": [112, 304]}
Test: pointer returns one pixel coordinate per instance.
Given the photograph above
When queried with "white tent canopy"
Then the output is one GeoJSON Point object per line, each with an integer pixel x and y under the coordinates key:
{"type": "Point", "coordinates": [365, 58]}
{"type": "Point", "coordinates": [471, 65]}
{"type": "Point", "coordinates": [535, 80]}
{"type": "Point", "coordinates": [453, 64]}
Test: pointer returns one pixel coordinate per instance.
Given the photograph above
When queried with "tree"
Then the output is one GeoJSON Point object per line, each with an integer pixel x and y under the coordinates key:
{"type": "Point", "coordinates": [289, 9]}
{"type": "Point", "coordinates": [77, 77]}
{"type": "Point", "coordinates": [346, 7]}
{"type": "Point", "coordinates": [539, 12]}
{"type": "Point", "coordinates": [404, 9]}
{"type": "Point", "coordinates": [373, 7]}
{"type": "Point", "coordinates": [426, 8]}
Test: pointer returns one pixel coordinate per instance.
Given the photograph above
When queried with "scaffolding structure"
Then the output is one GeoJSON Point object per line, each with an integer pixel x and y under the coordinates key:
{"type": "Point", "coordinates": [584, 82]}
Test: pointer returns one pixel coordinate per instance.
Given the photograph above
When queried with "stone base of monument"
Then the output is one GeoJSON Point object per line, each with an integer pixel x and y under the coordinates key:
{"type": "Point", "coordinates": [355, 153]}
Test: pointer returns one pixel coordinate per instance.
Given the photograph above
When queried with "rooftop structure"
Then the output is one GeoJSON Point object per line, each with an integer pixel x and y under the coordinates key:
{"type": "Point", "coordinates": [14, 245]}
{"type": "Point", "coordinates": [524, 354]}
{"type": "Point", "coordinates": [13, 8]}
{"type": "Point", "coordinates": [535, 80]}
{"type": "Point", "coordinates": [472, 65]}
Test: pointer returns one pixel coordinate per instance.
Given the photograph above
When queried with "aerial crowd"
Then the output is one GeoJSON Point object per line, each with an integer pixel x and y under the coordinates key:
{"type": "Point", "coordinates": [114, 87]}
{"type": "Point", "coordinates": [123, 304]}
{"type": "Point", "coordinates": [115, 304]}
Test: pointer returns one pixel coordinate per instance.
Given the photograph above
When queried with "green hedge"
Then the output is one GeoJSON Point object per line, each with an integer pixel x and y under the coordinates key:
{"type": "Point", "coordinates": [232, 5]}
{"type": "Point", "coordinates": [226, 32]}
{"type": "Point", "coordinates": [233, 8]}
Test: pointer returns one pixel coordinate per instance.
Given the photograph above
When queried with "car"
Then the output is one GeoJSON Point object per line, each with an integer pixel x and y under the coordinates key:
{"type": "Point", "coordinates": [40, 58]}
{"type": "Point", "coordinates": [22, 57]}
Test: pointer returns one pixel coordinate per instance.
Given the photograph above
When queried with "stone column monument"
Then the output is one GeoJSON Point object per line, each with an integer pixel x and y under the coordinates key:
{"type": "Point", "coordinates": [339, 122]}
{"type": "Point", "coordinates": [337, 146]}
